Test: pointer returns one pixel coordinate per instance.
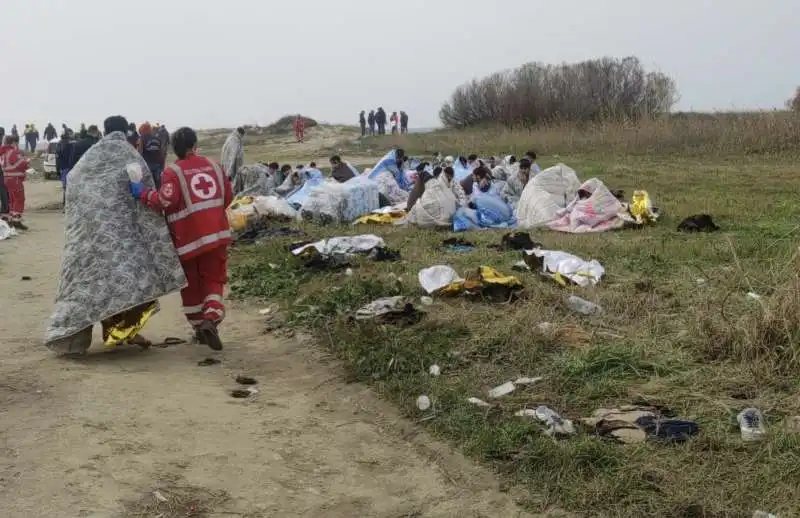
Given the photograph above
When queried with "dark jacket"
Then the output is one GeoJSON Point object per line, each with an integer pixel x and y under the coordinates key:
{"type": "Point", "coordinates": [341, 173]}
{"type": "Point", "coordinates": [152, 152]}
{"type": "Point", "coordinates": [50, 133]}
{"type": "Point", "coordinates": [79, 148]}
{"type": "Point", "coordinates": [63, 154]}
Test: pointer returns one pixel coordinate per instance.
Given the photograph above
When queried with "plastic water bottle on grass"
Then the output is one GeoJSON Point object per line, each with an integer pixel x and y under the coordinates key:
{"type": "Point", "coordinates": [582, 306]}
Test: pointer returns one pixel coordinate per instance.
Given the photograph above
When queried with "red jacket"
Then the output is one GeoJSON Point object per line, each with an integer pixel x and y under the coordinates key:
{"type": "Point", "coordinates": [194, 194]}
{"type": "Point", "coordinates": [13, 163]}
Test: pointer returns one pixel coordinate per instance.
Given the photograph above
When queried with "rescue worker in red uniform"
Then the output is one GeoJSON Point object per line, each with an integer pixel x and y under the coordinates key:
{"type": "Point", "coordinates": [14, 168]}
{"type": "Point", "coordinates": [194, 193]}
{"type": "Point", "coordinates": [299, 128]}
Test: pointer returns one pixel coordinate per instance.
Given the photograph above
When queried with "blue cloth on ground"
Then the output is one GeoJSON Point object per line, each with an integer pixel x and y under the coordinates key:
{"type": "Point", "coordinates": [490, 212]}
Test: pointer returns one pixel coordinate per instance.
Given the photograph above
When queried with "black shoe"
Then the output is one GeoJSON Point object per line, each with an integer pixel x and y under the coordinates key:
{"type": "Point", "coordinates": [207, 334]}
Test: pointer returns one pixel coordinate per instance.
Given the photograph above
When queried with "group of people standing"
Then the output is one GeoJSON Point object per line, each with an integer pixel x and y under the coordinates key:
{"type": "Point", "coordinates": [376, 121]}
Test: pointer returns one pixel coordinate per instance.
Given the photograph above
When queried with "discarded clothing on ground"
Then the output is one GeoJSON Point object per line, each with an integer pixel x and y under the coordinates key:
{"type": "Point", "coordinates": [458, 244]}
{"type": "Point", "coordinates": [390, 310]}
{"type": "Point", "coordinates": [254, 235]}
{"type": "Point", "coordinates": [633, 424]}
{"type": "Point", "coordinates": [563, 267]}
{"type": "Point", "coordinates": [383, 254]}
{"type": "Point", "coordinates": [6, 231]}
{"type": "Point", "coordinates": [698, 223]}
{"type": "Point", "coordinates": [516, 241]}
{"type": "Point", "coordinates": [120, 257]}
{"type": "Point", "coordinates": [485, 282]}
{"type": "Point", "coordinates": [347, 245]}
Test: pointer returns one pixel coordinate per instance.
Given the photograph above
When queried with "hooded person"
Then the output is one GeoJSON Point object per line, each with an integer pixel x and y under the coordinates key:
{"type": "Point", "coordinates": [152, 152]}
{"type": "Point", "coordinates": [118, 257]}
{"type": "Point", "coordinates": [232, 158]}
{"type": "Point", "coordinates": [341, 171]}
{"type": "Point", "coordinates": [15, 167]}
{"type": "Point", "coordinates": [512, 190]}
{"type": "Point", "coordinates": [194, 196]}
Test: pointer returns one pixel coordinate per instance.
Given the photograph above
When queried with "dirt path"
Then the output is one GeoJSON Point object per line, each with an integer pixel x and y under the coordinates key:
{"type": "Point", "coordinates": [97, 438]}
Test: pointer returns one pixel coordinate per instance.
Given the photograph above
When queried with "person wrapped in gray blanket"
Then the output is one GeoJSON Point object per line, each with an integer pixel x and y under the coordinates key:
{"type": "Point", "coordinates": [118, 257]}
{"type": "Point", "coordinates": [232, 159]}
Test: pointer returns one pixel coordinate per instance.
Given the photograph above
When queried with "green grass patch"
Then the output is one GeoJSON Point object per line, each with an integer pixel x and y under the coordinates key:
{"type": "Point", "coordinates": [677, 330]}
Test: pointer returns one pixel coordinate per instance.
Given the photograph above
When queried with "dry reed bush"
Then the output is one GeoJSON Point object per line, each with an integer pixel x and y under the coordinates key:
{"type": "Point", "coordinates": [734, 134]}
{"type": "Point", "coordinates": [594, 90]}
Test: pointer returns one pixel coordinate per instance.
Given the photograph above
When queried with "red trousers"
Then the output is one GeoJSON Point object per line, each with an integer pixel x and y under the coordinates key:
{"type": "Point", "coordinates": [206, 275]}
{"type": "Point", "coordinates": [299, 133]}
{"type": "Point", "coordinates": [16, 195]}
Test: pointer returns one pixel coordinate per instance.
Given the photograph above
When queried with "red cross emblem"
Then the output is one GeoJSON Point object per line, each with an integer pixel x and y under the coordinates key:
{"type": "Point", "coordinates": [203, 186]}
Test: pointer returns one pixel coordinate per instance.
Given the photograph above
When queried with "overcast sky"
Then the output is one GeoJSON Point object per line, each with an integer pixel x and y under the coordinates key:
{"type": "Point", "coordinates": [212, 63]}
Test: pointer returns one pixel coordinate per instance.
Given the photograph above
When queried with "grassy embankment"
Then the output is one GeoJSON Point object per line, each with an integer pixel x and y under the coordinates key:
{"type": "Point", "coordinates": [701, 348]}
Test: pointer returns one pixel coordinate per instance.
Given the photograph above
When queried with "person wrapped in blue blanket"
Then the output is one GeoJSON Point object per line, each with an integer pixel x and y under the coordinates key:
{"type": "Point", "coordinates": [486, 208]}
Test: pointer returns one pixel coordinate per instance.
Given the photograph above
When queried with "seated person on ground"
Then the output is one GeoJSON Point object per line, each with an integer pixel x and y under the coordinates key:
{"type": "Point", "coordinates": [419, 185]}
{"type": "Point", "coordinates": [458, 191]}
{"type": "Point", "coordinates": [293, 181]}
{"type": "Point", "coordinates": [531, 155]}
{"type": "Point", "coordinates": [470, 181]}
{"type": "Point", "coordinates": [482, 184]}
{"type": "Point", "coordinates": [516, 183]}
{"type": "Point", "coordinates": [340, 171]}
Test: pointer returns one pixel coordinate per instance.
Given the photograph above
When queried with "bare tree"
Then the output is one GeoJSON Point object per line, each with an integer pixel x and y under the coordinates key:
{"type": "Point", "coordinates": [599, 89]}
{"type": "Point", "coordinates": [794, 103]}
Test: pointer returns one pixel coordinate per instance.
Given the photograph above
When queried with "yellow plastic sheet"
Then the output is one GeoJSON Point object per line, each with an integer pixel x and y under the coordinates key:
{"type": "Point", "coordinates": [120, 334]}
{"type": "Point", "coordinates": [641, 209]}
{"type": "Point", "coordinates": [485, 276]}
{"type": "Point", "coordinates": [381, 219]}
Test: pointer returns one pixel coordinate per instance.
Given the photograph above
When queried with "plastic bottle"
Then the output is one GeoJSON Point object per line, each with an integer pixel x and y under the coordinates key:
{"type": "Point", "coordinates": [582, 306]}
{"type": "Point", "coordinates": [751, 424]}
{"type": "Point", "coordinates": [135, 172]}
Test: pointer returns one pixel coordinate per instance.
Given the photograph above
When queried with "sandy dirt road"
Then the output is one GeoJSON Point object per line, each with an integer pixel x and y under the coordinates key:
{"type": "Point", "coordinates": [148, 434]}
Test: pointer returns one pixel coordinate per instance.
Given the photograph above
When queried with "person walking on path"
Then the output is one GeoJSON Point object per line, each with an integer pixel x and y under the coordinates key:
{"type": "Point", "coordinates": [194, 194]}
